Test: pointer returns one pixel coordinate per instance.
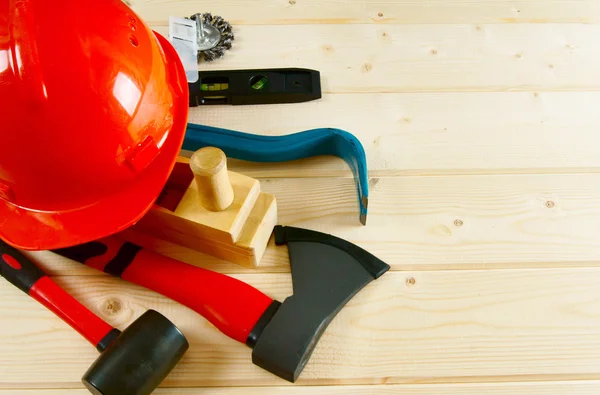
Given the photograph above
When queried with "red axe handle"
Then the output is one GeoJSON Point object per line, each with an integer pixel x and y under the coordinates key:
{"type": "Point", "coordinates": [231, 305]}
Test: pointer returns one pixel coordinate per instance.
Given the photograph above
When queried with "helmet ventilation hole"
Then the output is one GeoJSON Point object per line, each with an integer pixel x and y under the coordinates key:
{"type": "Point", "coordinates": [133, 40]}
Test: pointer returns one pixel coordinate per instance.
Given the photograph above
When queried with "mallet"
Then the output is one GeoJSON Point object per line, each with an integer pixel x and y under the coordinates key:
{"type": "Point", "coordinates": [134, 362]}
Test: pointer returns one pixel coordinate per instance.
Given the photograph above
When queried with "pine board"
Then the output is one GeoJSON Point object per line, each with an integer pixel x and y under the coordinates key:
{"type": "Point", "coordinates": [406, 327]}
{"type": "Point", "coordinates": [546, 388]}
{"type": "Point", "coordinates": [426, 58]}
{"type": "Point", "coordinates": [283, 12]}
{"type": "Point", "coordinates": [429, 223]}
{"type": "Point", "coordinates": [432, 133]}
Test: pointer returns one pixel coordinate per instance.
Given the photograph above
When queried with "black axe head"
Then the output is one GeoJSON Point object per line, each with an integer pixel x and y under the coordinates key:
{"type": "Point", "coordinates": [326, 272]}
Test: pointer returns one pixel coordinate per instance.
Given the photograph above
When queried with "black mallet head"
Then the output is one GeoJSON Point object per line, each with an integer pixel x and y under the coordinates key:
{"type": "Point", "coordinates": [138, 360]}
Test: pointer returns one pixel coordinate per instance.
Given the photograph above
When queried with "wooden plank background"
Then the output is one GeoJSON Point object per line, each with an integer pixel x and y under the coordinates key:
{"type": "Point", "coordinates": [544, 388]}
{"type": "Point", "coordinates": [480, 124]}
{"type": "Point", "coordinates": [285, 12]}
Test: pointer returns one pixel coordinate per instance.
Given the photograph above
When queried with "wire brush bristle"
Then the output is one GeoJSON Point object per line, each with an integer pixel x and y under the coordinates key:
{"type": "Point", "coordinates": [227, 37]}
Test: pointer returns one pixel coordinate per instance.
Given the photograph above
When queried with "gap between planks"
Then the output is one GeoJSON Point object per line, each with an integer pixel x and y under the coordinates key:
{"type": "Point", "coordinates": [518, 388]}
{"type": "Point", "coordinates": [286, 12]}
{"type": "Point", "coordinates": [409, 327]}
{"type": "Point", "coordinates": [427, 223]}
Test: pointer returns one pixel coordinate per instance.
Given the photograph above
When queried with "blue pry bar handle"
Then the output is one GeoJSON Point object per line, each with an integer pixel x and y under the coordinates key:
{"type": "Point", "coordinates": [314, 142]}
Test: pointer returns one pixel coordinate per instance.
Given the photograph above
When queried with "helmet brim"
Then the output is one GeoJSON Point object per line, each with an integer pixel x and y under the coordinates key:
{"type": "Point", "coordinates": [38, 230]}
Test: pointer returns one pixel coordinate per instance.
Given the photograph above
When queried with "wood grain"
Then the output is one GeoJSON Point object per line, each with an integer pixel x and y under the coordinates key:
{"type": "Point", "coordinates": [209, 165]}
{"type": "Point", "coordinates": [426, 58]}
{"type": "Point", "coordinates": [406, 327]}
{"type": "Point", "coordinates": [457, 222]}
{"type": "Point", "coordinates": [247, 251]}
{"type": "Point", "coordinates": [283, 12]}
{"type": "Point", "coordinates": [432, 133]}
{"type": "Point", "coordinates": [429, 223]}
{"type": "Point", "coordinates": [546, 388]}
{"type": "Point", "coordinates": [223, 225]}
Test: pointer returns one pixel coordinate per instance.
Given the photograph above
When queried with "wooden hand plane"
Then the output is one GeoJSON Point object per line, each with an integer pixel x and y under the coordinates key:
{"type": "Point", "coordinates": [210, 209]}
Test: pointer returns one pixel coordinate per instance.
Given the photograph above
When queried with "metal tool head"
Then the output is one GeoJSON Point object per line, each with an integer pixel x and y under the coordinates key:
{"type": "Point", "coordinates": [326, 272]}
{"type": "Point", "coordinates": [138, 360]}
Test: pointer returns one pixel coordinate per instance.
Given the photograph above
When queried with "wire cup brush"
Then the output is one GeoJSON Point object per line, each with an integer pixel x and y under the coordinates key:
{"type": "Point", "coordinates": [215, 36]}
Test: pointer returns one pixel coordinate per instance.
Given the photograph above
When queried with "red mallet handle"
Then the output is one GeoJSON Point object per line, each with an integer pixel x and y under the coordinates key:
{"type": "Point", "coordinates": [25, 275]}
{"type": "Point", "coordinates": [233, 306]}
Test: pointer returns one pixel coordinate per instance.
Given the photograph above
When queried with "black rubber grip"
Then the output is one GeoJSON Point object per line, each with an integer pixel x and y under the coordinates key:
{"type": "Point", "coordinates": [124, 258]}
{"type": "Point", "coordinates": [82, 252]}
{"type": "Point", "coordinates": [17, 268]}
{"type": "Point", "coordinates": [116, 266]}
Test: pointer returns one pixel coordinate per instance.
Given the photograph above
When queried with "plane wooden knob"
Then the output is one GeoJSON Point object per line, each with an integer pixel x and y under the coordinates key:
{"type": "Point", "coordinates": [209, 165]}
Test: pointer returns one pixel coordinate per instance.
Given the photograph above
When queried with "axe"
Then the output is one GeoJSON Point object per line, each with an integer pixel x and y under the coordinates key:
{"type": "Point", "coordinates": [326, 273]}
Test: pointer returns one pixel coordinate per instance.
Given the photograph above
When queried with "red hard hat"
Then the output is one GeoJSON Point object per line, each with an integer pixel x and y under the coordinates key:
{"type": "Point", "coordinates": [93, 110]}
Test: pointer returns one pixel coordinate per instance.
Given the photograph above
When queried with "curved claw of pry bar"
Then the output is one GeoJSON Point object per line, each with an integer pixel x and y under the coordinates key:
{"type": "Point", "coordinates": [314, 142]}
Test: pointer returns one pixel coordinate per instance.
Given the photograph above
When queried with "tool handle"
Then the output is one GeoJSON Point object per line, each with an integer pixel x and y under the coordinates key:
{"type": "Point", "coordinates": [314, 142]}
{"type": "Point", "coordinates": [25, 275]}
{"type": "Point", "coordinates": [209, 165]}
{"type": "Point", "coordinates": [231, 305]}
